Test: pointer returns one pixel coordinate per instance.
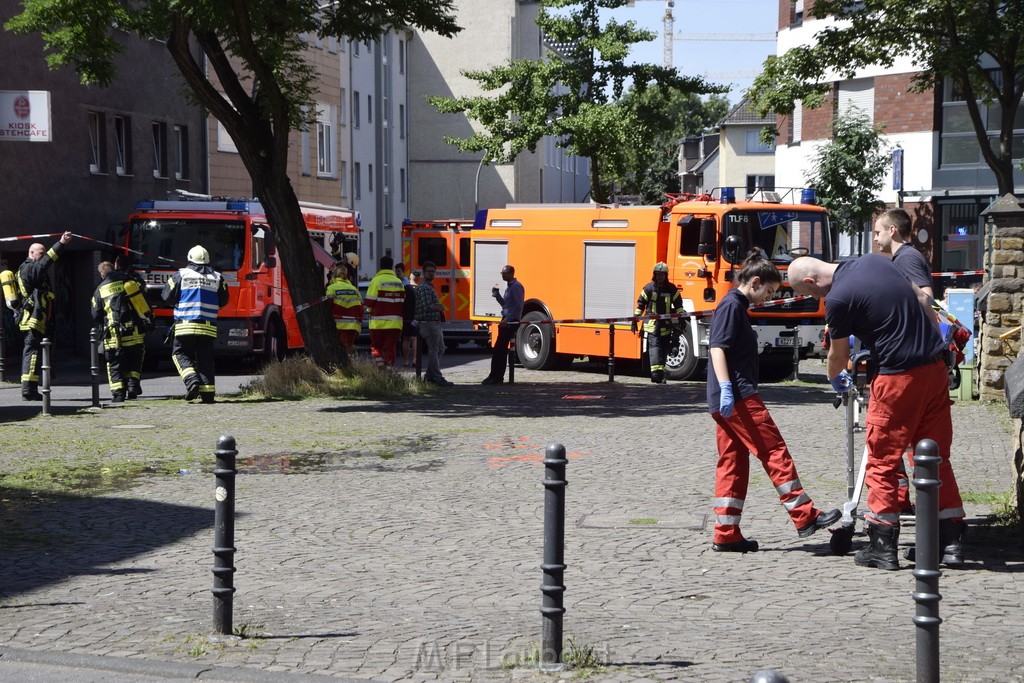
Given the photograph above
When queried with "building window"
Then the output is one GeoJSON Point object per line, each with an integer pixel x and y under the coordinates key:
{"type": "Point", "coordinates": [324, 145]}
{"type": "Point", "coordinates": [369, 108]}
{"type": "Point", "coordinates": [369, 177]}
{"type": "Point", "coordinates": [357, 181]}
{"type": "Point", "coordinates": [755, 146]}
{"type": "Point", "coordinates": [343, 177]}
{"type": "Point", "coordinates": [760, 182]}
{"type": "Point", "coordinates": [97, 146]}
{"type": "Point", "coordinates": [796, 121]}
{"type": "Point", "coordinates": [343, 109]}
{"type": "Point", "coordinates": [159, 149]}
{"type": "Point", "coordinates": [857, 98]}
{"type": "Point", "coordinates": [355, 48]}
{"type": "Point", "coordinates": [401, 56]}
{"type": "Point", "coordinates": [224, 141]}
{"type": "Point", "coordinates": [401, 185]}
{"type": "Point", "coordinates": [796, 12]}
{"type": "Point", "coordinates": [401, 121]}
{"type": "Point", "coordinates": [355, 108]}
{"type": "Point", "coordinates": [181, 152]}
{"type": "Point", "coordinates": [959, 145]}
{"type": "Point", "coordinates": [123, 138]}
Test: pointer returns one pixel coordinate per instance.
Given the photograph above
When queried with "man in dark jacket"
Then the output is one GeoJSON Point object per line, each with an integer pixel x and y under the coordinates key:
{"type": "Point", "coordinates": [36, 309]}
{"type": "Point", "coordinates": [120, 310]}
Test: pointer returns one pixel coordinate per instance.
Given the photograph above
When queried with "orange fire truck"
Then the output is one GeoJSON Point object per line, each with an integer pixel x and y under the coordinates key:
{"type": "Point", "coordinates": [259, 317]}
{"type": "Point", "coordinates": [587, 264]}
{"type": "Point", "coordinates": [446, 244]}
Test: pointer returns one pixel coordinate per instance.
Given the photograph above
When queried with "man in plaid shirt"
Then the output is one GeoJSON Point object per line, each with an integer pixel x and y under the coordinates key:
{"type": "Point", "coordinates": [429, 313]}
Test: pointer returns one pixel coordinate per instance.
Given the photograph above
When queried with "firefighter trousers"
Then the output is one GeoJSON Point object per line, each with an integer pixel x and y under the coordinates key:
{"type": "Point", "coordinates": [657, 350]}
{"type": "Point", "coordinates": [193, 357]}
{"type": "Point", "coordinates": [751, 429]}
{"type": "Point", "coordinates": [122, 366]}
{"type": "Point", "coordinates": [31, 359]}
{"type": "Point", "coordinates": [905, 408]}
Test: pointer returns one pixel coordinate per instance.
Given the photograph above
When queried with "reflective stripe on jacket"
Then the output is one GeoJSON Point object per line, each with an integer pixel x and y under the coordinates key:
{"type": "Point", "coordinates": [385, 301]}
{"type": "Point", "coordinates": [36, 294]}
{"type": "Point", "coordinates": [196, 292]}
{"type": "Point", "coordinates": [119, 306]}
{"type": "Point", "coordinates": [656, 302]}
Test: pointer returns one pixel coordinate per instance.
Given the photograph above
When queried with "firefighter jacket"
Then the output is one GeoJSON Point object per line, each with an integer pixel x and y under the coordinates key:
{"type": "Point", "coordinates": [658, 302]}
{"type": "Point", "coordinates": [35, 290]}
{"type": "Point", "coordinates": [385, 301]}
{"type": "Point", "coordinates": [121, 311]}
{"type": "Point", "coordinates": [196, 293]}
{"type": "Point", "coordinates": [346, 306]}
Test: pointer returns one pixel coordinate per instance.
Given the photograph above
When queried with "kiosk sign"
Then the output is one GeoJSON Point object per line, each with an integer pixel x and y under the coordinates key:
{"type": "Point", "coordinates": [24, 115]}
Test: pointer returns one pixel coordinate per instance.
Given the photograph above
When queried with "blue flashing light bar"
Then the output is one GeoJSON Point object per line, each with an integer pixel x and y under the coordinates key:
{"type": "Point", "coordinates": [808, 196]}
{"type": "Point", "coordinates": [146, 204]}
{"type": "Point", "coordinates": [728, 195]}
{"type": "Point", "coordinates": [238, 206]}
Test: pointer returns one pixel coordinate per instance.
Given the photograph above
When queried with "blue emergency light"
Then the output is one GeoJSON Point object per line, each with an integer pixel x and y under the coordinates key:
{"type": "Point", "coordinates": [238, 206]}
{"type": "Point", "coordinates": [728, 195]}
{"type": "Point", "coordinates": [808, 196]}
{"type": "Point", "coordinates": [146, 204]}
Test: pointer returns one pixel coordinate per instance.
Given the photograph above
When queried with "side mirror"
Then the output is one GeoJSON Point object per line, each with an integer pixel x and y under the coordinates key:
{"type": "Point", "coordinates": [269, 261]}
{"type": "Point", "coordinates": [732, 251]}
{"type": "Point", "coordinates": [708, 244]}
{"type": "Point", "coordinates": [269, 245]}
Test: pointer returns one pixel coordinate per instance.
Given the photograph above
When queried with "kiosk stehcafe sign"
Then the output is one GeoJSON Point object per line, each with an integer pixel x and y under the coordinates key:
{"type": "Point", "coordinates": [24, 115]}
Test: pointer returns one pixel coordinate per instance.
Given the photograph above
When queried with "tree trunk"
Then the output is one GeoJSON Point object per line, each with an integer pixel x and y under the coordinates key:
{"type": "Point", "coordinates": [303, 273]}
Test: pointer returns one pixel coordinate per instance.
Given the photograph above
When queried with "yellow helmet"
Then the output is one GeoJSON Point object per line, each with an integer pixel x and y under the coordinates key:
{"type": "Point", "coordinates": [660, 267]}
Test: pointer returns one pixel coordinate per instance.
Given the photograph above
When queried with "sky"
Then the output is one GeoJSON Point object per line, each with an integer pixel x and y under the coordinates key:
{"type": "Point", "coordinates": [717, 61]}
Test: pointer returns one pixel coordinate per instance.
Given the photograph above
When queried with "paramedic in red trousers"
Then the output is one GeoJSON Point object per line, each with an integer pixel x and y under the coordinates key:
{"type": "Point", "coordinates": [511, 311]}
{"type": "Point", "coordinates": [872, 300]}
{"type": "Point", "coordinates": [658, 296]}
{"type": "Point", "coordinates": [196, 293]}
{"type": "Point", "coordinates": [743, 424]}
{"type": "Point", "coordinates": [892, 235]}
{"type": "Point", "coordinates": [36, 309]}
{"type": "Point", "coordinates": [346, 305]}
{"type": "Point", "coordinates": [385, 303]}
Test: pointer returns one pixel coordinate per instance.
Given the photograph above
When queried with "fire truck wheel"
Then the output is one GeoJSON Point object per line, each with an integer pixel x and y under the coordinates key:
{"type": "Point", "coordinates": [535, 344]}
{"type": "Point", "coordinates": [273, 341]}
{"type": "Point", "coordinates": [681, 362]}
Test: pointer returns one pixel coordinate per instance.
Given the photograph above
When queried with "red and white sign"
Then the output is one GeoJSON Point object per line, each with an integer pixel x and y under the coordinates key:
{"type": "Point", "coordinates": [25, 116]}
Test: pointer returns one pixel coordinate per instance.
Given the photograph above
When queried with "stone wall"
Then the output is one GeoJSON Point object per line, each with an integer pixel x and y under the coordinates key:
{"type": "Point", "coordinates": [1006, 296]}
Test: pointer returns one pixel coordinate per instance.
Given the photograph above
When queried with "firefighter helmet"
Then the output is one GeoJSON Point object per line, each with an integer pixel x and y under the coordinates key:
{"type": "Point", "coordinates": [198, 255]}
{"type": "Point", "coordinates": [352, 259]}
{"type": "Point", "coordinates": [660, 267]}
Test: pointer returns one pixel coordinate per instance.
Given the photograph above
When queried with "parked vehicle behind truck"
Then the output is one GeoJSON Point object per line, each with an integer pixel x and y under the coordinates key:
{"type": "Point", "coordinates": [259, 318]}
{"type": "Point", "coordinates": [586, 262]}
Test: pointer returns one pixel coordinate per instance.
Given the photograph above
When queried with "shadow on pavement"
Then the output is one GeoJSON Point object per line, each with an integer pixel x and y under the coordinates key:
{"type": "Point", "coordinates": [43, 541]}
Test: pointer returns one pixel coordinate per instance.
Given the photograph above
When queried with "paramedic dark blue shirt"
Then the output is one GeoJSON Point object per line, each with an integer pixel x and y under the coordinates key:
{"type": "Point", "coordinates": [913, 265]}
{"type": "Point", "coordinates": [732, 332]}
{"type": "Point", "coordinates": [872, 300]}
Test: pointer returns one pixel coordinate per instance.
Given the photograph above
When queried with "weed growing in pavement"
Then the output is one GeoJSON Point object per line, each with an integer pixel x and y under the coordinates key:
{"type": "Point", "coordinates": [643, 520]}
{"type": "Point", "coordinates": [249, 629]}
{"type": "Point", "coordinates": [583, 659]}
{"type": "Point", "coordinates": [87, 475]}
{"type": "Point", "coordinates": [299, 377]}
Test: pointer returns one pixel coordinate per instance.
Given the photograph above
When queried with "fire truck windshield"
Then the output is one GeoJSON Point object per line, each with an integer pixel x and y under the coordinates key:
{"type": "Point", "coordinates": [782, 234]}
{"type": "Point", "coordinates": [164, 243]}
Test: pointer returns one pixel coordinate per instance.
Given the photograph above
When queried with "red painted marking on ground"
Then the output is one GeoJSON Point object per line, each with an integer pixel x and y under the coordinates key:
{"type": "Point", "coordinates": [582, 397]}
{"type": "Point", "coordinates": [497, 462]}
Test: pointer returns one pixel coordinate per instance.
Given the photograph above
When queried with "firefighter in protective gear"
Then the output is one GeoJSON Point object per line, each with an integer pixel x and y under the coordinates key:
{"type": "Point", "coordinates": [346, 305]}
{"type": "Point", "coordinates": [385, 303]}
{"type": "Point", "coordinates": [36, 309]}
{"type": "Point", "coordinates": [122, 264]}
{"type": "Point", "coordinates": [196, 293]}
{"type": "Point", "coordinates": [120, 310]}
{"type": "Point", "coordinates": [659, 296]}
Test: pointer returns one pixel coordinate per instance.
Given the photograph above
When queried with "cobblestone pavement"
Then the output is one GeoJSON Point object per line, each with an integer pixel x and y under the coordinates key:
{"type": "Point", "coordinates": [403, 541]}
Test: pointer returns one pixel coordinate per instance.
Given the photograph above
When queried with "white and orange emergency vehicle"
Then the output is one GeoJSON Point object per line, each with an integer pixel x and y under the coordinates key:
{"type": "Point", "coordinates": [259, 318]}
{"type": "Point", "coordinates": [583, 265]}
{"type": "Point", "coordinates": [446, 243]}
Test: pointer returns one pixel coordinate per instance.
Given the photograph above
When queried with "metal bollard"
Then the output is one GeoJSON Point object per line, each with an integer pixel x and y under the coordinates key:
{"type": "Point", "coordinates": [3, 345]}
{"type": "Point", "coordinates": [44, 375]}
{"type": "Point", "coordinates": [554, 558]}
{"type": "Point", "coordinates": [796, 353]}
{"type": "Point", "coordinates": [611, 352]}
{"type": "Point", "coordinates": [224, 535]}
{"type": "Point", "coordinates": [94, 365]}
{"type": "Point", "coordinates": [512, 355]}
{"type": "Point", "coordinates": [926, 558]}
{"type": "Point", "coordinates": [418, 355]}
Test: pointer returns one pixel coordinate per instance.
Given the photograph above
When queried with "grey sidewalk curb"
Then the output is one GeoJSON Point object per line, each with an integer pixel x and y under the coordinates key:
{"type": "Point", "coordinates": [164, 669]}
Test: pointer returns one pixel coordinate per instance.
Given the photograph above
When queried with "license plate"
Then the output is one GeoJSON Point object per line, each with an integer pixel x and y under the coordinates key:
{"type": "Point", "coordinates": [784, 341]}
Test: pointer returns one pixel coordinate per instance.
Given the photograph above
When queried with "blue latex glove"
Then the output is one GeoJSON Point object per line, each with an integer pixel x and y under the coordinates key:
{"type": "Point", "coordinates": [841, 382]}
{"type": "Point", "coordinates": [726, 403]}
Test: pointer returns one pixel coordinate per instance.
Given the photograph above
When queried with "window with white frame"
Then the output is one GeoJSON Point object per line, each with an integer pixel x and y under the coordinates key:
{"type": "Point", "coordinates": [760, 182]}
{"type": "Point", "coordinates": [756, 146]}
{"type": "Point", "coordinates": [96, 142]}
{"type": "Point", "coordinates": [181, 152]}
{"type": "Point", "coordinates": [325, 140]}
{"type": "Point", "coordinates": [796, 120]}
{"type": "Point", "coordinates": [123, 140]}
{"type": "Point", "coordinates": [224, 141]}
{"type": "Point", "coordinates": [857, 97]}
{"type": "Point", "coordinates": [159, 149]}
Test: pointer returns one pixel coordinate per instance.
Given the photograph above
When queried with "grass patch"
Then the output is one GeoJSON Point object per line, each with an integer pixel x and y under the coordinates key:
{"type": "Point", "coordinates": [643, 521]}
{"type": "Point", "coordinates": [298, 377]}
{"type": "Point", "coordinates": [582, 658]}
{"type": "Point", "coordinates": [1003, 505]}
{"type": "Point", "coordinates": [90, 475]}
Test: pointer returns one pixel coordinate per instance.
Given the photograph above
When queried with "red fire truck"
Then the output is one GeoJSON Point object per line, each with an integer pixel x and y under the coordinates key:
{"type": "Point", "coordinates": [259, 318]}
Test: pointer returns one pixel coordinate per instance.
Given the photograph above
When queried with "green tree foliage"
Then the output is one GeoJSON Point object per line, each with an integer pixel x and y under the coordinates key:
{"type": "Point", "coordinates": [848, 171]}
{"type": "Point", "coordinates": [670, 115]}
{"type": "Point", "coordinates": [257, 60]}
{"type": "Point", "coordinates": [572, 94]}
{"type": "Point", "coordinates": [977, 44]}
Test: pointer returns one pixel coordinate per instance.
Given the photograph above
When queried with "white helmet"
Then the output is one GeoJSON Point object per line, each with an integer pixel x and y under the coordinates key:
{"type": "Point", "coordinates": [352, 259]}
{"type": "Point", "coordinates": [198, 255]}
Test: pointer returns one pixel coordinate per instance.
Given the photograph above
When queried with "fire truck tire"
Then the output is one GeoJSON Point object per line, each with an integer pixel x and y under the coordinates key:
{"type": "Point", "coordinates": [274, 344]}
{"type": "Point", "coordinates": [535, 344]}
{"type": "Point", "coordinates": [681, 362]}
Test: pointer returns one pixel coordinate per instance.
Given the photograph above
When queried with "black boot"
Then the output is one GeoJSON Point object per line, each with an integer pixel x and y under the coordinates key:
{"type": "Point", "coordinates": [881, 552]}
{"type": "Point", "coordinates": [658, 377]}
{"type": "Point", "coordinates": [951, 535]}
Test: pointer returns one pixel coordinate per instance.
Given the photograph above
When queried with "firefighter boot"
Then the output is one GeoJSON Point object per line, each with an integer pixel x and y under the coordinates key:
{"type": "Point", "coordinates": [30, 391]}
{"type": "Point", "coordinates": [134, 388]}
{"type": "Point", "coordinates": [658, 377]}
{"type": "Point", "coordinates": [881, 552]}
{"type": "Point", "coordinates": [951, 540]}
{"type": "Point", "coordinates": [118, 397]}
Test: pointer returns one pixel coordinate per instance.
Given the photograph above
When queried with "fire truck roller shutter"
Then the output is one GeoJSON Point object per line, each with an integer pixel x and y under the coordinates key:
{"type": "Point", "coordinates": [489, 257]}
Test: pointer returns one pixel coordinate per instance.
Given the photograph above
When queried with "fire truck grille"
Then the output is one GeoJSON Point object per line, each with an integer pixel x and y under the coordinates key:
{"type": "Point", "coordinates": [802, 306]}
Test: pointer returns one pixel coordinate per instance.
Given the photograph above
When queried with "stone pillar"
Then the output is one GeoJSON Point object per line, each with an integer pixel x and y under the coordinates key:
{"type": "Point", "coordinates": [1005, 262]}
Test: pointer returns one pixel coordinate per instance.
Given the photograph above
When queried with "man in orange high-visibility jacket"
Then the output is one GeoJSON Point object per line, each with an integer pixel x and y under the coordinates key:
{"type": "Point", "coordinates": [385, 301]}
